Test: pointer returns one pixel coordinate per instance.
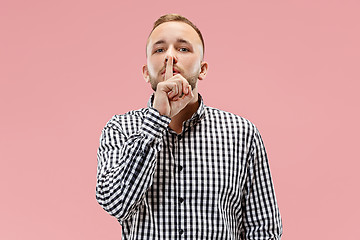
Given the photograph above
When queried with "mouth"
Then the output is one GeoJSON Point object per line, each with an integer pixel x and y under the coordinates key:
{"type": "Point", "coordinates": [175, 71]}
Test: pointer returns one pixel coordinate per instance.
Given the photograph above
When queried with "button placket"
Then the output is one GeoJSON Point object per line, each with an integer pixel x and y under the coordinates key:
{"type": "Point", "coordinates": [181, 190]}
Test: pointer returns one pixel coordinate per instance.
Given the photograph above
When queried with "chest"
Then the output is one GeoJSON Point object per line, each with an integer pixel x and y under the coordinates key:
{"type": "Point", "coordinates": [207, 165]}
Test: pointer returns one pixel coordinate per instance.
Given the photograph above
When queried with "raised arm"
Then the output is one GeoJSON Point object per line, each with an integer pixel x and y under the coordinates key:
{"type": "Point", "coordinates": [126, 164]}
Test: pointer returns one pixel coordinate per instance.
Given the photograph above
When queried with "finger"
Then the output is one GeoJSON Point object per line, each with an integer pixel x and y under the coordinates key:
{"type": "Point", "coordinates": [169, 68]}
{"type": "Point", "coordinates": [188, 97]}
{"type": "Point", "coordinates": [180, 87]}
{"type": "Point", "coordinates": [182, 83]}
{"type": "Point", "coordinates": [175, 88]}
{"type": "Point", "coordinates": [168, 86]}
{"type": "Point", "coordinates": [173, 91]}
{"type": "Point", "coordinates": [189, 91]}
{"type": "Point", "coordinates": [174, 97]}
{"type": "Point", "coordinates": [178, 81]}
{"type": "Point", "coordinates": [185, 87]}
{"type": "Point", "coordinates": [171, 94]}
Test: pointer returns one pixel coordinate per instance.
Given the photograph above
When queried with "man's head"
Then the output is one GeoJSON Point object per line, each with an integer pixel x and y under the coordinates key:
{"type": "Point", "coordinates": [177, 18]}
{"type": "Point", "coordinates": [175, 37]}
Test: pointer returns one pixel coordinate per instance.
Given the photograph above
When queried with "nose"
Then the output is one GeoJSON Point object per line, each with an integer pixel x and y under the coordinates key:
{"type": "Point", "coordinates": [171, 54]}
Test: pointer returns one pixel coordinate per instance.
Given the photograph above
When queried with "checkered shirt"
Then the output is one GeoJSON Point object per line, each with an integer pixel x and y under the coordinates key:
{"type": "Point", "coordinates": [212, 181]}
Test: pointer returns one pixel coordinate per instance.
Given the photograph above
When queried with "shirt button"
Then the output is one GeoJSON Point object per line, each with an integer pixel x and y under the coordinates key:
{"type": "Point", "coordinates": [181, 199]}
{"type": "Point", "coordinates": [181, 232]}
{"type": "Point", "coordinates": [180, 168]}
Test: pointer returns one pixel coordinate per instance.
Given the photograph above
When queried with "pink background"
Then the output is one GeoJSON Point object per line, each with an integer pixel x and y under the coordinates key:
{"type": "Point", "coordinates": [66, 67]}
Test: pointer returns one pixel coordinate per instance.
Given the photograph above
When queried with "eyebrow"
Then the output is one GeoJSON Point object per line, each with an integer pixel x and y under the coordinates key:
{"type": "Point", "coordinates": [159, 42]}
{"type": "Point", "coordinates": [177, 40]}
{"type": "Point", "coordinates": [182, 41]}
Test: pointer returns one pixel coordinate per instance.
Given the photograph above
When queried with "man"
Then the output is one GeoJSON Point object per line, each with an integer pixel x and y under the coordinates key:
{"type": "Point", "coordinates": [179, 169]}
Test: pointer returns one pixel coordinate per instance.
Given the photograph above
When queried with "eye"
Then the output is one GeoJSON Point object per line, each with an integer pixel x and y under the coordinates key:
{"type": "Point", "coordinates": [159, 50]}
{"type": "Point", "coordinates": [183, 49]}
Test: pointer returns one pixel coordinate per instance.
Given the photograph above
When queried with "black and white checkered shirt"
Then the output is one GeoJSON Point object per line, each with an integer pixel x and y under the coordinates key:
{"type": "Point", "coordinates": [212, 181]}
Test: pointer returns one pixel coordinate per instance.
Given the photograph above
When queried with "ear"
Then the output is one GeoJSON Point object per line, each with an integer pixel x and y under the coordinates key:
{"type": "Point", "coordinates": [203, 70]}
{"type": "Point", "coordinates": [145, 73]}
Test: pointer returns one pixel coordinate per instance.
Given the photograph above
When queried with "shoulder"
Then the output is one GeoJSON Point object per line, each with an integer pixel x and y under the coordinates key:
{"type": "Point", "coordinates": [229, 119]}
{"type": "Point", "coordinates": [128, 121]}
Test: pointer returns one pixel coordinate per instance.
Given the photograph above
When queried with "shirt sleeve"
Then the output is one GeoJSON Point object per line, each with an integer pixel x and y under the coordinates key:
{"type": "Point", "coordinates": [262, 220]}
{"type": "Point", "coordinates": [126, 164]}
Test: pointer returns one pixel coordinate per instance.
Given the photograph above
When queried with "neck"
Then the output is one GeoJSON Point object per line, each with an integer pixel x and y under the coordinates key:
{"type": "Point", "coordinates": [185, 114]}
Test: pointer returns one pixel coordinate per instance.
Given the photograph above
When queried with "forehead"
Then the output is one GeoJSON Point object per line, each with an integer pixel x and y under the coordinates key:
{"type": "Point", "coordinates": [171, 31]}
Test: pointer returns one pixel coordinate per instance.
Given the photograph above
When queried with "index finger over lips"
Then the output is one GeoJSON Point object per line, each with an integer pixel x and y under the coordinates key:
{"type": "Point", "coordinates": [169, 68]}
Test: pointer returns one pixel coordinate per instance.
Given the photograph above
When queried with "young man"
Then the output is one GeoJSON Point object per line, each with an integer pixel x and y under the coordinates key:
{"type": "Point", "coordinates": [179, 169]}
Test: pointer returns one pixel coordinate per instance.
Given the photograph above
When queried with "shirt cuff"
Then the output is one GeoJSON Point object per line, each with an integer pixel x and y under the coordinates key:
{"type": "Point", "coordinates": [154, 124]}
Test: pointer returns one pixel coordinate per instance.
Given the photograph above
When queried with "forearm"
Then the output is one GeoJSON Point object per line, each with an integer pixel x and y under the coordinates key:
{"type": "Point", "coordinates": [127, 165]}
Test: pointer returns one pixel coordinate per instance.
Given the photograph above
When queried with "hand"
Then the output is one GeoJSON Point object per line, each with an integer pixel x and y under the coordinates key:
{"type": "Point", "coordinates": [173, 94]}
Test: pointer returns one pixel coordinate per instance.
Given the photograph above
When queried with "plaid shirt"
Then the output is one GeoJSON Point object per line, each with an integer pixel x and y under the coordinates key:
{"type": "Point", "coordinates": [212, 181]}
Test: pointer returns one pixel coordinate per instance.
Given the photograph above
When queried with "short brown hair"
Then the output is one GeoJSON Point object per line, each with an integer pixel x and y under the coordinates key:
{"type": "Point", "coordinates": [177, 18]}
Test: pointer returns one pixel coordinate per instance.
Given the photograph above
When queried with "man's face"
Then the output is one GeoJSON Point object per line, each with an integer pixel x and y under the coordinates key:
{"type": "Point", "coordinates": [179, 41]}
